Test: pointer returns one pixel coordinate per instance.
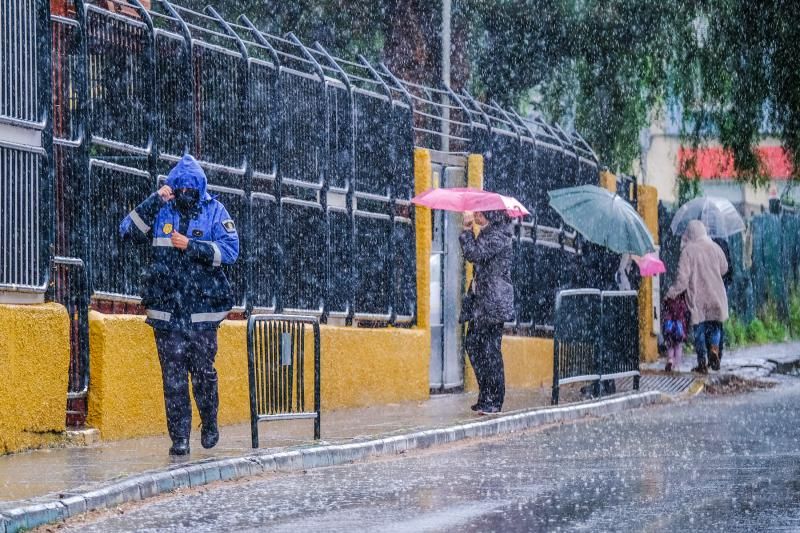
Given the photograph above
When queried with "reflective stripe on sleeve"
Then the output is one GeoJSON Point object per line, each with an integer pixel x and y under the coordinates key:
{"type": "Point", "coordinates": [163, 241]}
{"type": "Point", "coordinates": [159, 315]}
{"type": "Point", "coordinates": [144, 228]}
{"type": "Point", "coordinates": [217, 255]}
{"type": "Point", "coordinates": [209, 317]}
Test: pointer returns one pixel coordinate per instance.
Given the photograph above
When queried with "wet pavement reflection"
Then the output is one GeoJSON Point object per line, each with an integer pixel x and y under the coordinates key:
{"type": "Point", "coordinates": [713, 464]}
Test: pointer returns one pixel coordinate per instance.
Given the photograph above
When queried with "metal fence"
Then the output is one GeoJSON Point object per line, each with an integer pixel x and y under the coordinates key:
{"type": "Point", "coordinates": [576, 338]}
{"type": "Point", "coordinates": [26, 194]}
{"type": "Point", "coordinates": [312, 155]}
{"type": "Point", "coordinates": [596, 338]}
{"type": "Point", "coordinates": [276, 364]}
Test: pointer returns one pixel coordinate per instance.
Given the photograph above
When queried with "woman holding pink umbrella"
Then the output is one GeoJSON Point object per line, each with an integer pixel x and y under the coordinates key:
{"type": "Point", "coordinates": [489, 302]}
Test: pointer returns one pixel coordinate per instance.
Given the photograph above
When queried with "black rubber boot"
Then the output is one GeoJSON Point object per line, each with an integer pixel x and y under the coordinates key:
{"type": "Point", "coordinates": [209, 434]}
{"type": "Point", "coordinates": [207, 398]}
{"type": "Point", "coordinates": [180, 446]}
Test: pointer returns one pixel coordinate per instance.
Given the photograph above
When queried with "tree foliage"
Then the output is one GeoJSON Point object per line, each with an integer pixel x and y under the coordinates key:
{"type": "Point", "coordinates": [730, 67]}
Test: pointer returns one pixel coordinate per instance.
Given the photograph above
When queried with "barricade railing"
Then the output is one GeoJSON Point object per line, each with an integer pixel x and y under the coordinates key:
{"type": "Point", "coordinates": [596, 338]}
{"type": "Point", "coordinates": [276, 364]}
{"type": "Point", "coordinates": [619, 334]}
{"type": "Point", "coordinates": [71, 290]}
{"type": "Point", "coordinates": [576, 337]}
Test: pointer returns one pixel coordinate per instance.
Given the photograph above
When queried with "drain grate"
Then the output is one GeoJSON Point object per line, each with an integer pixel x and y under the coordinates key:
{"type": "Point", "coordinates": [666, 384]}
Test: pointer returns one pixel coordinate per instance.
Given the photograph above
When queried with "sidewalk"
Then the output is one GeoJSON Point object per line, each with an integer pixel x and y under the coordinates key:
{"type": "Point", "coordinates": [50, 471]}
{"type": "Point", "coordinates": [750, 362]}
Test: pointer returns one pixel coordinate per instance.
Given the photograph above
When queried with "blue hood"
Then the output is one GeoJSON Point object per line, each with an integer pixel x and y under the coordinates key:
{"type": "Point", "coordinates": [188, 174]}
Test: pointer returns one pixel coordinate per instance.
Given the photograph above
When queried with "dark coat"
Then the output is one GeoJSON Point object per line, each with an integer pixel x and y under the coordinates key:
{"type": "Point", "coordinates": [491, 254]}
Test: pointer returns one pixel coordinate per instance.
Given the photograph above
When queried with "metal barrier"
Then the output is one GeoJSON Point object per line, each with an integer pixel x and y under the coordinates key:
{"type": "Point", "coordinates": [619, 334]}
{"type": "Point", "coordinates": [276, 348]}
{"type": "Point", "coordinates": [596, 338]}
{"type": "Point", "coordinates": [576, 339]}
{"type": "Point", "coordinates": [71, 290]}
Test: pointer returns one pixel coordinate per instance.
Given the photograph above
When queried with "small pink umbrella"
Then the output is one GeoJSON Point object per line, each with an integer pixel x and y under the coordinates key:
{"type": "Point", "coordinates": [650, 265]}
{"type": "Point", "coordinates": [469, 199]}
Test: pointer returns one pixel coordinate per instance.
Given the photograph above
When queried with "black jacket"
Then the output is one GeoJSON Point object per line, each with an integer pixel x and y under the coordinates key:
{"type": "Point", "coordinates": [491, 254]}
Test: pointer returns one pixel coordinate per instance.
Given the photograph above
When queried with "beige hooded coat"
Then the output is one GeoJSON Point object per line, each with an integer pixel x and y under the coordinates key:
{"type": "Point", "coordinates": [700, 270]}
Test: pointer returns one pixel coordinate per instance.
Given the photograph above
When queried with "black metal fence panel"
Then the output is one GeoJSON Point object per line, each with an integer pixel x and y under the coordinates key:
{"type": "Point", "coordinates": [402, 133]}
{"type": "Point", "coordinates": [576, 338]}
{"type": "Point", "coordinates": [373, 271]}
{"type": "Point", "coordinates": [340, 138]}
{"type": "Point", "coordinates": [115, 191]}
{"type": "Point", "coordinates": [619, 333]}
{"type": "Point", "coordinates": [219, 132]}
{"type": "Point", "coordinates": [266, 252]}
{"type": "Point", "coordinates": [373, 157]}
{"type": "Point", "coordinates": [340, 289]}
{"type": "Point", "coordinates": [302, 109]}
{"type": "Point", "coordinates": [304, 256]}
{"type": "Point", "coordinates": [548, 177]}
{"type": "Point", "coordinates": [174, 87]}
{"type": "Point", "coordinates": [118, 77]}
{"type": "Point", "coordinates": [404, 265]}
{"type": "Point", "coordinates": [264, 119]}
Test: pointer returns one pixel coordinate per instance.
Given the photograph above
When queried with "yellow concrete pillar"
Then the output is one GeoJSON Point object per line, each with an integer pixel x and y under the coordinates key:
{"type": "Point", "coordinates": [608, 181]}
{"type": "Point", "coordinates": [648, 342]}
{"type": "Point", "coordinates": [423, 180]}
{"type": "Point", "coordinates": [34, 365]}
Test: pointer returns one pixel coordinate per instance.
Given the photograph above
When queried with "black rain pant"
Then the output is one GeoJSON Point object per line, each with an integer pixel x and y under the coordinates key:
{"type": "Point", "coordinates": [184, 352]}
{"type": "Point", "coordinates": [483, 347]}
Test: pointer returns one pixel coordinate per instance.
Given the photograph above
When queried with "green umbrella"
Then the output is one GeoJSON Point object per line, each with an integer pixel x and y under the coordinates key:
{"type": "Point", "coordinates": [604, 218]}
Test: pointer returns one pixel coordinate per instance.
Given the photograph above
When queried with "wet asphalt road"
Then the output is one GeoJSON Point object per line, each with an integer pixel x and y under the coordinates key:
{"type": "Point", "coordinates": [712, 464]}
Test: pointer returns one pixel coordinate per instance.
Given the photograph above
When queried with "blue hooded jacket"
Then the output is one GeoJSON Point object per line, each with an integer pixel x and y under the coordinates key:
{"type": "Point", "coordinates": [185, 289]}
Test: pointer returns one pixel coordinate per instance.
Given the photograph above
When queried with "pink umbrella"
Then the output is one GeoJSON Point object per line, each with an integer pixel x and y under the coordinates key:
{"type": "Point", "coordinates": [650, 265]}
{"type": "Point", "coordinates": [469, 199]}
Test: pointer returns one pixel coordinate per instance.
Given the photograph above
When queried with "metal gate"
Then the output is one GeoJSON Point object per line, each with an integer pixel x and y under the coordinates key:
{"type": "Point", "coordinates": [447, 282]}
{"type": "Point", "coordinates": [276, 365]}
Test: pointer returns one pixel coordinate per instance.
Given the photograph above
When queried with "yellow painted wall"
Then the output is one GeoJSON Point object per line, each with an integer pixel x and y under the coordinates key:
{"type": "Point", "coordinates": [528, 363]}
{"type": "Point", "coordinates": [34, 365]}
{"type": "Point", "coordinates": [648, 342]}
{"type": "Point", "coordinates": [360, 367]}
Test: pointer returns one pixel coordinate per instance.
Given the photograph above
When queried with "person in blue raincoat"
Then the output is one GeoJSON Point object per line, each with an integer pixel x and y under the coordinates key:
{"type": "Point", "coordinates": [185, 292]}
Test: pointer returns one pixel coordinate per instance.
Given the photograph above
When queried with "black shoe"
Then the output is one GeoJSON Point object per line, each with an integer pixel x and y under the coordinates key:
{"type": "Point", "coordinates": [668, 368]}
{"type": "Point", "coordinates": [489, 409]}
{"type": "Point", "coordinates": [700, 369]}
{"type": "Point", "coordinates": [209, 435]}
{"type": "Point", "coordinates": [476, 406]}
{"type": "Point", "coordinates": [180, 446]}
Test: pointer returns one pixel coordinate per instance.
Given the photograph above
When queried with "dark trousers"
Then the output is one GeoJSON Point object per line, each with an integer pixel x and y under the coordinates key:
{"type": "Point", "coordinates": [184, 352]}
{"type": "Point", "coordinates": [483, 347]}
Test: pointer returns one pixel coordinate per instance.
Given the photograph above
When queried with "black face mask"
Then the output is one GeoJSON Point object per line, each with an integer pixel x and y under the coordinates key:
{"type": "Point", "coordinates": [187, 200]}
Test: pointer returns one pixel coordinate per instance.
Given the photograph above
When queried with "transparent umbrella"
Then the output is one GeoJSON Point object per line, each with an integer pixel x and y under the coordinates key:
{"type": "Point", "coordinates": [717, 214]}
